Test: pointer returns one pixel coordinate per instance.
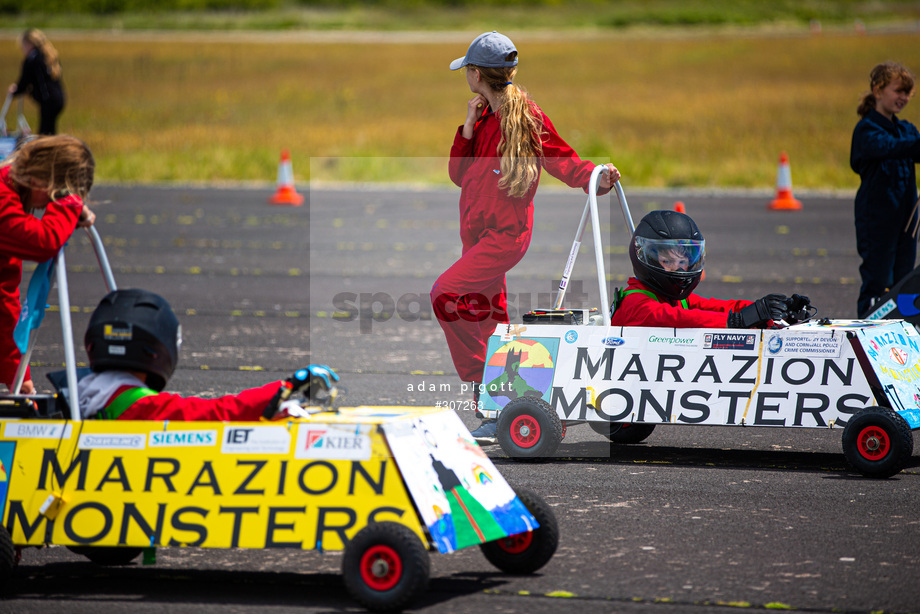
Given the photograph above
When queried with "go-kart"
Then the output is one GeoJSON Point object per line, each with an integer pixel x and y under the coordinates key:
{"type": "Point", "coordinates": [385, 484]}
{"type": "Point", "coordinates": [568, 366]}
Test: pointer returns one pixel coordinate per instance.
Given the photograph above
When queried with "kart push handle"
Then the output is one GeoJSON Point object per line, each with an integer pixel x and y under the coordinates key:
{"type": "Point", "coordinates": [591, 208]}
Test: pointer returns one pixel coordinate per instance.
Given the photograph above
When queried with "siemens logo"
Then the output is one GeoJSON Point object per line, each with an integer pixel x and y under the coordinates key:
{"type": "Point", "coordinates": [182, 439]}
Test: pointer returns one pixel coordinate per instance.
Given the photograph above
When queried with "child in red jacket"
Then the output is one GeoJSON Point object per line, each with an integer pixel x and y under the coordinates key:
{"type": "Point", "coordinates": [133, 341]}
{"type": "Point", "coordinates": [667, 253]}
{"type": "Point", "coordinates": [53, 173]}
{"type": "Point", "coordinates": [496, 159]}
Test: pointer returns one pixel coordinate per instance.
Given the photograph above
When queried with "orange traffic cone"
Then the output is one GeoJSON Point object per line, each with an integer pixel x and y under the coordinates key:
{"type": "Point", "coordinates": [286, 194]}
{"type": "Point", "coordinates": [784, 198]}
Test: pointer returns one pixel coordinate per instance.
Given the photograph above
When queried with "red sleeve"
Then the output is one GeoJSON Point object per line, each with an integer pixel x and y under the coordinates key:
{"type": "Point", "coordinates": [27, 237]}
{"type": "Point", "coordinates": [461, 153]}
{"type": "Point", "coordinates": [245, 406]}
{"type": "Point", "coordinates": [561, 161]}
{"type": "Point", "coordinates": [639, 309]}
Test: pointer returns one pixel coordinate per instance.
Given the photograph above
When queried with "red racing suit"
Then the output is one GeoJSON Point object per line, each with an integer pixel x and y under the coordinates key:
{"type": "Point", "coordinates": [642, 307]}
{"type": "Point", "coordinates": [470, 298]}
{"type": "Point", "coordinates": [116, 395]}
{"type": "Point", "coordinates": [25, 237]}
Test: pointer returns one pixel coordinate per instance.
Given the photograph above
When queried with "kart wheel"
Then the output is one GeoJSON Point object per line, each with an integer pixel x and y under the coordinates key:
{"type": "Point", "coordinates": [525, 553]}
{"type": "Point", "coordinates": [529, 429]}
{"type": "Point", "coordinates": [105, 555]}
{"type": "Point", "coordinates": [385, 566]}
{"type": "Point", "coordinates": [877, 442]}
{"type": "Point", "coordinates": [7, 561]}
{"type": "Point", "coordinates": [623, 432]}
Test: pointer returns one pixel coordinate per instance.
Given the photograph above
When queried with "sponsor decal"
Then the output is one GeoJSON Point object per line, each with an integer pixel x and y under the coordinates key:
{"type": "Point", "coordinates": [119, 332]}
{"type": "Point", "coordinates": [331, 442]}
{"type": "Point", "coordinates": [37, 430]}
{"type": "Point", "coordinates": [7, 451]}
{"type": "Point", "coordinates": [182, 439]}
{"type": "Point", "coordinates": [112, 441]}
{"type": "Point", "coordinates": [816, 344]}
{"type": "Point", "coordinates": [884, 310]}
{"type": "Point", "coordinates": [256, 440]}
{"type": "Point", "coordinates": [571, 336]}
{"type": "Point", "coordinates": [729, 341]}
{"type": "Point", "coordinates": [775, 344]}
{"type": "Point", "coordinates": [613, 341]}
{"type": "Point", "coordinates": [674, 342]}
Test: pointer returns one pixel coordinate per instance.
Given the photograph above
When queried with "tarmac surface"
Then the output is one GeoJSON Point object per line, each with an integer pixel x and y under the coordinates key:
{"type": "Point", "coordinates": [706, 519]}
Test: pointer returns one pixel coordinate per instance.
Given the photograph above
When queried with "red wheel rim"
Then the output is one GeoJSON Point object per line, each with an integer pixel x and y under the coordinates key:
{"type": "Point", "coordinates": [516, 544]}
{"type": "Point", "coordinates": [525, 431]}
{"type": "Point", "coordinates": [873, 443]}
{"type": "Point", "coordinates": [381, 568]}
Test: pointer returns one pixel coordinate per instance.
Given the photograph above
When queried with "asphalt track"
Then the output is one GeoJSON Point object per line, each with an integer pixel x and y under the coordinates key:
{"type": "Point", "coordinates": [705, 519]}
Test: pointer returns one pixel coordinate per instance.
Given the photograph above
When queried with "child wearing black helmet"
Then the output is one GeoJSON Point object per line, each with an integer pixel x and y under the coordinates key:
{"type": "Point", "coordinates": [667, 253]}
{"type": "Point", "coordinates": [132, 342]}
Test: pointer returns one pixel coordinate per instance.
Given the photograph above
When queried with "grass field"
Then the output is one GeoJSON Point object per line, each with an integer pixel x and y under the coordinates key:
{"type": "Point", "coordinates": [709, 109]}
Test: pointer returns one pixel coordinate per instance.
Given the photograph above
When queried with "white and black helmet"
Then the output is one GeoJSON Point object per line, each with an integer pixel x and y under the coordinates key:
{"type": "Point", "coordinates": [134, 330]}
{"type": "Point", "coordinates": [667, 253]}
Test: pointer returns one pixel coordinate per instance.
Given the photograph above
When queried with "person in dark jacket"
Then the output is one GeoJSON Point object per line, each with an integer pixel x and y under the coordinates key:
{"type": "Point", "coordinates": [41, 78]}
{"type": "Point", "coordinates": [883, 152]}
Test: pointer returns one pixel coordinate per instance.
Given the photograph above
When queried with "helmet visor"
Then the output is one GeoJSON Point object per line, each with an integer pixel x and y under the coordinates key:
{"type": "Point", "coordinates": [671, 255]}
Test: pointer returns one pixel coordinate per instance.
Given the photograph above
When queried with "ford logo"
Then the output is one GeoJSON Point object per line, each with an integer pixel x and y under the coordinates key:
{"type": "Point", "coordinates": [613, 341]}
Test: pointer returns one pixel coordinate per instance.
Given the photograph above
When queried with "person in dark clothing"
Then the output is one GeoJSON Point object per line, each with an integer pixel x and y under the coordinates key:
{"type": "Point", "coordinates": [41, 78]}
{"type": "Point", "coordinates": [884, 151]}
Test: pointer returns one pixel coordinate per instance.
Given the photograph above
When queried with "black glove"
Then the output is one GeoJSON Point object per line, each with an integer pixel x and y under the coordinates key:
{"type": "Point", "coordinates": [797, 308]}
{"type": "Point", "coordinates": [759, 313]}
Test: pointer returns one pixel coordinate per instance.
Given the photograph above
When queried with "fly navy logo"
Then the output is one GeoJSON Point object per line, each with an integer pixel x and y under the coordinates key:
{"type": "Point", "coordinates": [729, 341]}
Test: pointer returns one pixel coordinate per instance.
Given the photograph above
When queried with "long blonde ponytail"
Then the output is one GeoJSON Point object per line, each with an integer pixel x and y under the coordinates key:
{"type": "Point", "coordinates": [520, 147]}
{"type": "Point", "coordinates": [37, 39]}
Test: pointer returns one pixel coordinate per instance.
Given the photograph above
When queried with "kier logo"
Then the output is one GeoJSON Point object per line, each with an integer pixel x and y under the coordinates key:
{"type": "Point", "coordinates": [315, 439]}
{"type": "Point", "coordinates": [332, 442]}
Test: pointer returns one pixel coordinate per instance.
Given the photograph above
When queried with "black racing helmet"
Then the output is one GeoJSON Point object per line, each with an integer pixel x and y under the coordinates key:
{"type": "Point", "coordinates": [667, 253]}
{"type": "Point", "coordinates": [134, 330]}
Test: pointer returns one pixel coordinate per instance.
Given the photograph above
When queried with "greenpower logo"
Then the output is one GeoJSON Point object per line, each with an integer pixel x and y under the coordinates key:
{"type": "Point", "coordinates": [673, 340]}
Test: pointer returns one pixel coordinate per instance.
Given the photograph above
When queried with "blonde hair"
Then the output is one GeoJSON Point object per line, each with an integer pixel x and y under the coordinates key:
{"type": "Point", "coordinates": [37, 39]}
{"type": "Point", "coordinates": [56, 164]}
{"type": "Point", "coordinates": [880, 77]}
{"type": "Point", "coordinates": [521, 145]}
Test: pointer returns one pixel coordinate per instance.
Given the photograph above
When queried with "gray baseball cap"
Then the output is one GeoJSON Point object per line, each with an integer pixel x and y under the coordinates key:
{"type": "Point", "coordinates": [489, 49]}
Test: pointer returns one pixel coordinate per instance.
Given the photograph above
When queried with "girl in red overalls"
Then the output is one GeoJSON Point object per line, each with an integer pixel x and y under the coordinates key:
{"type": "Point", "coordinates": [496, 159]}
{"type": "Point", "coordinates": [53, 173]}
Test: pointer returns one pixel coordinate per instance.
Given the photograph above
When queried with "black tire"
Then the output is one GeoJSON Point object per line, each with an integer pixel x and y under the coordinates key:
{"type": "Point", "coordinates": [529, 429]}
{"type": "Point", "coordinates": [105, 555]}
{"type": "Point", "coordinates": [877, 442]}
{"type": "Point", "coordinates": [623, 432]}
{"type": "Point", "coordinates": [385, 567]}
{"type": "Point", "coordinates": [525, 553]}
{"type": "Point", "coordinates": [7, 561]}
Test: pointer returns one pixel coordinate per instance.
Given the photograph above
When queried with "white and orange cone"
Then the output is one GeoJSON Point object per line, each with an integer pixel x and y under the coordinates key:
{"type": "Point", "coordinates": [286, 194]}
{"type": "Point", "coordinates": [784, 198]}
